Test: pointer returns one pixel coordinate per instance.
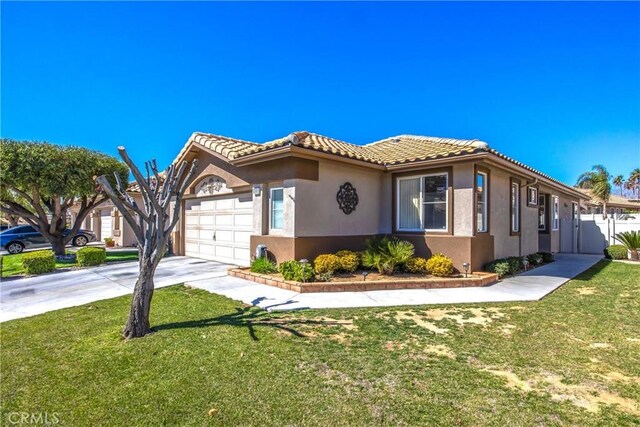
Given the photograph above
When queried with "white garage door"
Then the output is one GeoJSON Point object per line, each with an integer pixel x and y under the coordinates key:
{"type": "Point", "coordinates": [105, 224]}
{"type": "Point", "coordinates": [219, 228]}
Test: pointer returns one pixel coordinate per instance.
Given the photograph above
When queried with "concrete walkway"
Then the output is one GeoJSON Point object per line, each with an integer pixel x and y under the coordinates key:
{"type": "Point", "coordinates": [35, 295]}
{"type": "Point", "coordinates": [529, 286]}
{"type": "Point", "coordinates": [30, 296]}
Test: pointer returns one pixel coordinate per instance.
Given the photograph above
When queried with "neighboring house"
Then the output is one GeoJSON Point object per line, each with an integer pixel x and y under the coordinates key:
{"type": "Point", "coordinates": [107, 221]}
{"type": "Point", "coordinates": [615, 205]}
{"type": "Point", "coordinates": [308, 194]}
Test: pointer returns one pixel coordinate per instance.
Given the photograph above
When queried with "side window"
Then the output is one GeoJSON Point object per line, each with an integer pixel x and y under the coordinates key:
{"type": "Point", "coordinates": [276, 209]}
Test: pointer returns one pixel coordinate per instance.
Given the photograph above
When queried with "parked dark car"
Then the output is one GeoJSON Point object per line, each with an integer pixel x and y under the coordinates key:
{"type": "Point", "coordinates": [16, 239]}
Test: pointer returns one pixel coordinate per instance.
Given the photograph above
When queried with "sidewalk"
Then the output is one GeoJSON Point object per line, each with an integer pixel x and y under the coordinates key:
{"type": "Point", "coordinates": [529, 286]}
{"type": "Point", "coordinates": [40, 294]}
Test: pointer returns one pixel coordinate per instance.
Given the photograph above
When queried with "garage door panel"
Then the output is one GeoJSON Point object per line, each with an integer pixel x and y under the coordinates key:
{"type": "Point", "coordinates": [206, 219]}
{"type": "Point", "coordinates": [224, 219]}
{"type": "Point", "coordinates": [242, 237]}
{"type": "Point", "coordinates": [230, 218]}
{"type": "Point", "coordinates": [192, 233]}
{"type": "Point", "coordinates": [224, 204]}
{"type": "Point", "coordinates": [207, 205]}
{"type": "Point", "coordinates": [206, 235]}
{"type": "Point", "coordinates": [241, 253]}
{"type": "Point", "coordinates": [243, 203]}
{"type": "Point", "coordinates": [243, 220]}
{"type": "Point", "coordinates": [224, 236]}
{"type": "Point", "coordinates": [191, 219]}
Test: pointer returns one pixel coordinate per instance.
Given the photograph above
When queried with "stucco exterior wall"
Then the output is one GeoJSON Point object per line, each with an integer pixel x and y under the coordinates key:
{"type": "Point", "coordinates": [505, 245]}
{"type": "Point", "coordinates": [528, 225]}
{"type": "Point", "coordinates": [316, 209]}
{"type": "Point", "coordinates": [463, 201]}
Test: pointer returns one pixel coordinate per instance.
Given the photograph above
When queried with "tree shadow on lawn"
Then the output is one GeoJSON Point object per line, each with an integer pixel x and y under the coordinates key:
{"type": "Point", "coordinates": [249, 318]}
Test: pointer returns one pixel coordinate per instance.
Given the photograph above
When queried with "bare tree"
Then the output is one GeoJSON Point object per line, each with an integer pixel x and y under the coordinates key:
{"type": "Point", "coordinates": [151, 226]}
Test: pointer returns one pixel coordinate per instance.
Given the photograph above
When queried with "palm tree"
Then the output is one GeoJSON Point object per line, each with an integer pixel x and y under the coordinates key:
{"type": "Point", "coordinates": [597, 180]}
{"type": "Point", "coordinates": [618, 181]}
{"type": "Point", "coordinates": [634, 182]}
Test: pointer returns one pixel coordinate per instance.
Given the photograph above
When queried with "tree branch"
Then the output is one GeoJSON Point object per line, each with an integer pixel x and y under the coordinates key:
{"type": "Point", "coordinates": [104, 183]}
{"type": "Point", "coordinates": [144, 185]}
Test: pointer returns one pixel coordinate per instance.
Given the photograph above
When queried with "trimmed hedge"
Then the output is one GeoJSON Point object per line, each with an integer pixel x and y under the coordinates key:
{"type": "Point", "coordinates": [349, 261]}
{"type": "Point", "coordinates": [440, 265]}
{"type": "Point", "coordinates": [616, 252]}
{"type": "Point", "coordinates": [416, 265]}
{"type": "Point", "coordinates": [87, 257]}
{"type": "Point", "coordinates": [327, 263]}
{"type": "Point", "coordinates": [39, 262]}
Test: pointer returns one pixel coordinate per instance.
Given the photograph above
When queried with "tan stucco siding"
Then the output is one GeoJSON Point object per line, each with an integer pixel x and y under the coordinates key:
{"type": "Point", "coordinates": [316, 209]}
{"type": "Point", "coordinates": [505, 245]}
{"type": "Point", "coordinates": [551, 241]}
{"type": "Point", "coordinates": [463, 202]}
{"type": "Point", "coordinates": [529, 225]}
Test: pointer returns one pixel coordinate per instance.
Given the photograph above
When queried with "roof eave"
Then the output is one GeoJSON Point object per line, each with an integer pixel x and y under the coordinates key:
{"type": "Point", "coordinates": [300, 152]}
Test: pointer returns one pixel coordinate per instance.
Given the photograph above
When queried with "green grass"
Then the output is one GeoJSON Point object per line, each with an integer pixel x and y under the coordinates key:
{"type": "Point", "coordinates": [382, 366]}
{"type": "Point", "coordinates": [12, 264]}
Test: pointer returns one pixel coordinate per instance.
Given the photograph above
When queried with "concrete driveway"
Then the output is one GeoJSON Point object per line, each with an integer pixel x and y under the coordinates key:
{"type": "Point", "coordinates": [35, 295]}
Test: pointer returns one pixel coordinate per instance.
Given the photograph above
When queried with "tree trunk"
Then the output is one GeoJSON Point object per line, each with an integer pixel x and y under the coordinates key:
{"type": "Point", "coordinates": [58, 246]}
{"type": "Point", "coordinates": [138, 323]}
{"type": "Point", "coordinates": [604, 210]}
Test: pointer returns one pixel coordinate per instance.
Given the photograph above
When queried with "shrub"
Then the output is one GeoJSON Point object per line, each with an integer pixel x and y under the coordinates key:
{"type": "Point", "coordinates": [440, 265]}
{"type": "Point", "coordinates": [416, 265]}
{"type": "Point", "coordinates": [499, 267]}
{"type": "Point", "coordinates": [39, 262]}
{"type": "Point", "coordinates": [263, 266]}
{"type": "Point", "coordinates": [546, 257]}
{"type": "Point", "coordinates": [616, 252]}
{"type": "Point", "coordinates": [386, 253]}
{"type": "Point", "coordinates": [631, 241]}
{"type": "Point", "coordinates": [324, 277]}
{"type": "Point", "coordinates": [288, 269]}
{"type": "Point", "coordinates": [326, 263]}
{"type": "Point", "coordinates": [349, 261]}
{"type": "Point", "coordinates": [515, 264]}
{"type": "Point", "coordinates": [292, 270]}
{"type": "Point", "coordinates": [91, 256]}
{"type": "Point", "coordinates": [534, 259]}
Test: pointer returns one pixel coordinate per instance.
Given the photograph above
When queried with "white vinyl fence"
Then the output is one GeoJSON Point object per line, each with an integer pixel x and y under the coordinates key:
{"type": "Point", "coordinates": [597, 233]}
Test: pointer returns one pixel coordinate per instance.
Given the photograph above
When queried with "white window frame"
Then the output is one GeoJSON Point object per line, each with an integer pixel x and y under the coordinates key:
{"type": "Point", "coordinates": [532, 191]}
{"type": "Point", "coordinates": [484, 227]}
{"type": "Point", "coordinates": [515, 206]}
{"type": "Point", "coordinates": [555, 213]}
{"type": "Point", "coordinates": [271, 190]}
{"type": "Point", "coordinates": [542, 204]}
{"type": "Point", "coordinates": [422, 203]}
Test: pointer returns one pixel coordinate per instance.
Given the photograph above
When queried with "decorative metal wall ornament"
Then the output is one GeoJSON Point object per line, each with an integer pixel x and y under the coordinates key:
{"type": "Point", "coordinates": [347, 198]}
{"type": "Point", "coordinates": [210, 186]}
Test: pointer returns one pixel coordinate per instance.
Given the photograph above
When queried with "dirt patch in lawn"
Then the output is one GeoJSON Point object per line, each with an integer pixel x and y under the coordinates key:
{"type": "Point", "coordinates": [586, 396]}
{"type": "Point", "coordinates": [461, 317]}
{"type": "Point", "coordinates": [440, 350]}
{"type": "Point", "coordinates": [586, 291]}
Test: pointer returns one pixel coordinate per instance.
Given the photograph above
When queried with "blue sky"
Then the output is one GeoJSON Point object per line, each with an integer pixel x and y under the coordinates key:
{"type": "Point", "coordinates": [555, 85]}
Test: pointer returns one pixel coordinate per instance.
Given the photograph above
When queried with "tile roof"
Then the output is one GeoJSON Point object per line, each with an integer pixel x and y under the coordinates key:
{"type": "Point", "coordinates": [391, 151]}
{"type": "Point", "coordinates": [614, 199]}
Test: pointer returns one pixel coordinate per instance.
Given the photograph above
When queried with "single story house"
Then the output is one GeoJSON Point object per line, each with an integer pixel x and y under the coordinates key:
{"type": "Point", "coordinates": [107, 221]}
{"type": "Point", "coordinates": [616, 204]}
{"type": "Point", "coordinates": [307, 194]}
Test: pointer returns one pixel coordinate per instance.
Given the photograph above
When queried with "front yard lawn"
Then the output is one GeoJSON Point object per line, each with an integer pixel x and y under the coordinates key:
{"type": "Point", "coordinates": [571, 359]}
{"type": "Point", "coordinates": [12, 264]}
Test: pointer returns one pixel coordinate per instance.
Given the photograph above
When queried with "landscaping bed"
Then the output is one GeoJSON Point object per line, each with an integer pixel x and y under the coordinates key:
{"type": "Point", "coordinates": [373, 282]}
{"type": "Point", "coordinates": [571, 359]}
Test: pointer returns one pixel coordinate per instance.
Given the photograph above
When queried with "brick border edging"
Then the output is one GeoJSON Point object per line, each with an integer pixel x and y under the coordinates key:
{"type": "Point", "coordinates": [485, 279]}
